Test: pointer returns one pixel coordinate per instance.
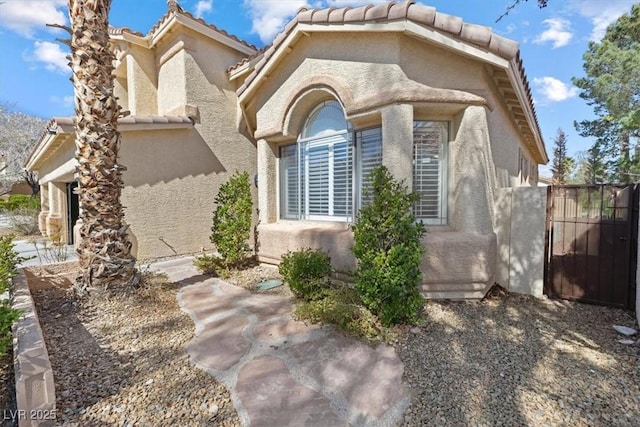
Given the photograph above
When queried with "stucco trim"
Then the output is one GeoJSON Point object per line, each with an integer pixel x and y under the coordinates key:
{"type": "Point", "coordinates": [68, 167]}
{"type": "Point", "coordinates": [60, 129]}
{"type": "Point", "coordinates": [315, 89]}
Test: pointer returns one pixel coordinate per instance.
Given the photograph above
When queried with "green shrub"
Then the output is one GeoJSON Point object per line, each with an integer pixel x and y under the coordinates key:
{"type": "Point", "coordinates": [9, 259]}
{"type": "Point", "coordinates": [211, 264]}
{"type": "Point", "coordinates": [232, 220]}
{"type": "Point", "coordinates": [17, 201]}
{"type": "Point", "coordinates": [343, 308]}
{"type": "Point", "coordinates": [307, 272]}
{"type": "Point", "coordinates": [388, 249]}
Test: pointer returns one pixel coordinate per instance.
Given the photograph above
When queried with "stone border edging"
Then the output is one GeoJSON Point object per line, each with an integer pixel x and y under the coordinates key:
{"type": "Point", "coordinates": [35, 389]}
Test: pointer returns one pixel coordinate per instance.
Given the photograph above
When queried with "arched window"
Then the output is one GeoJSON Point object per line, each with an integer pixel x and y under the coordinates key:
{"type": "Point", "coordinates": [317, 178]}
{"type": "Point", "coordinates": [326, 119]}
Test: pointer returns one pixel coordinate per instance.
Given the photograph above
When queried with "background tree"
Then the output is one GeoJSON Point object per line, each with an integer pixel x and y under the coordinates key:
{"type": "Point", "coordinates": [560, 160]}
{"type": "Point", "coordinates": [612, 87]}
{"type": "Point", "coordinates": [104, 250]}
{"type": "Point", "coordinates": [19, 133]}
{"type": "Point", "coordinates": [591, 167]}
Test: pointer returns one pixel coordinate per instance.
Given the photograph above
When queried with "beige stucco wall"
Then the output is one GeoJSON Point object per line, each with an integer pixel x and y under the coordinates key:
{"type": "Point", "coordinates": [208, 89]}
{"type": "Point", "coordinates": [520, 229]}
{"type": "Point", "coordinates": [170, 182]}
{"type": "Point", "coordinates": [462, 253]}
{"type": "Point", "coordinates": [172, 95]}
{"type": "Point", "coordinates": [172, 175]}
{"type": "Point", "coordinates": [142, 81]}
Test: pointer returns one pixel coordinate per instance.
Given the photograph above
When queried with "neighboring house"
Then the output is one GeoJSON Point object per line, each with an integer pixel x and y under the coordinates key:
{"type": "Point", "coordinates": [444, 104]}
{"type": "Point", "coordinates": [544, 181]}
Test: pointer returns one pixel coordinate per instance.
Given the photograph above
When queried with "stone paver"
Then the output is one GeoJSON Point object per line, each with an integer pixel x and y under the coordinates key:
{"type": "Point", "coordinates": [280, 371]}
{"type": "Point", "coordinates": [274, 398]}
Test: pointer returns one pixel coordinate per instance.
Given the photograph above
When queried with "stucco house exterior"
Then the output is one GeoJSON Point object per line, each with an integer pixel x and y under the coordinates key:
{"type": "Point", "coordinates": [444, 104]}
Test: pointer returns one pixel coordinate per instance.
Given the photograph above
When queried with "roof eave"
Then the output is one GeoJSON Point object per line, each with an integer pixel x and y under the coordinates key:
{"type": "Point", "coordinates": [215, 35]}
{"type": "Point", "coordinates": [518, 84]}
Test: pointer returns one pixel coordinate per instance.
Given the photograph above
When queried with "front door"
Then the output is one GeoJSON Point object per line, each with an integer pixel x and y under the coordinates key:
{"type": "Point", "coordinates": [73, 210]}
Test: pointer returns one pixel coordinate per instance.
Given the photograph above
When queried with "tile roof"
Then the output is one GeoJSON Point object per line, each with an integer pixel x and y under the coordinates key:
{"type": "Point", "coordinates": [427, 16]}
{"type": "Point", "coordinates": [116, 31]}
{"type": "Point", "coordinates": [391, 11]}
{"type": "Point", "coordinates": [176, 9]}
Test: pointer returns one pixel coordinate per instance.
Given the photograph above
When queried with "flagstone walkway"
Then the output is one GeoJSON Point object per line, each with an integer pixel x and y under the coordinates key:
{"type": "Point", "coordinates": [279, 371]}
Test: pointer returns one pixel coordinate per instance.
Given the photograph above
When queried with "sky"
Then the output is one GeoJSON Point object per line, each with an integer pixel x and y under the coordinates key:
{"type": "Point", "coordinates": [35, 77]}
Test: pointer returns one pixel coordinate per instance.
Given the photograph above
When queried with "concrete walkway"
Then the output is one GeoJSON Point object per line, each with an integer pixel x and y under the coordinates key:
{"type": "Point", "coordinates": [281, 372]}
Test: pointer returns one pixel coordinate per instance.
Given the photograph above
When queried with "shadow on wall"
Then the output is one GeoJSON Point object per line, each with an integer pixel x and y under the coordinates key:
{"type": "Point", "coordinates": [162, 156]}
{"type": "Point", "coordinates": [520, 228]}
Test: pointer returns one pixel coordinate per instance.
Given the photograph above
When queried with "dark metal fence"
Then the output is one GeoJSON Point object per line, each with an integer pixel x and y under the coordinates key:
{"type": "Point", "coordinates": [592, 243]}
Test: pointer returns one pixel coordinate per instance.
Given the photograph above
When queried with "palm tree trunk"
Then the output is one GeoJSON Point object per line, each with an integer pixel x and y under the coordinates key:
{"type": "Point", "coordinates": [104, 250]}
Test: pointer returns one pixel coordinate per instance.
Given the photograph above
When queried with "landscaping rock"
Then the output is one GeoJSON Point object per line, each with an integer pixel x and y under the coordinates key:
{"type": "Point", "coordinates": [625, 330]}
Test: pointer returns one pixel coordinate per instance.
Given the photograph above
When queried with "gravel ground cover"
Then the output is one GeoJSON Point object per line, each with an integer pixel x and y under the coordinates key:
{"type": "Point", "coordinates": [517, 361]}
{"type": "Point", "coordinates": [119, 358]}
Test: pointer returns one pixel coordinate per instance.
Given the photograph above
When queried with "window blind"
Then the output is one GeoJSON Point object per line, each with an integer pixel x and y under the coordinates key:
{"type": "Point", "coordinates": [429, 171]}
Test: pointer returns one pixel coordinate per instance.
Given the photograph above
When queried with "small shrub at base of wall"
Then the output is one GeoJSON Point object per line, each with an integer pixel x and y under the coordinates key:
{"type": "Point", "coordinates": [210, 264]}
{"type": "Point", "coordinates": [388, 249]}
{"type": "Point", "coordinates": [320, 299]}
{"type": "Point", "coordinates": [307, 272]}
{"type": "Point", "coordinates": [232, 220]}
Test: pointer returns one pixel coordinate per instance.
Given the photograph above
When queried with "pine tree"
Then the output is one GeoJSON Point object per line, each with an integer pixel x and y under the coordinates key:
{"type": "Point", "coordinates": [559, 165]}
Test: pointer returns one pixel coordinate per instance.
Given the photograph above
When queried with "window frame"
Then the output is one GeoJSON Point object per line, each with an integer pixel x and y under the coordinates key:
{"type": "Point", "coordinates": [443, 175]}
{"type": "Point", "coordinates": [355, 141]}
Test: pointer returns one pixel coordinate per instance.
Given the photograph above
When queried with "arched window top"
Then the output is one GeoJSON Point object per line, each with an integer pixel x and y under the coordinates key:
{"type": "Point", "coordinates": [326, 119]}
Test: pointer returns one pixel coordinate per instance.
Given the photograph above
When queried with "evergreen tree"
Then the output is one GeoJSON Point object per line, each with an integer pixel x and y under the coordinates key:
{"type": "Point", "coordinates": [560, 159]}
{"type": "Point", "coordinates": [611, 86]}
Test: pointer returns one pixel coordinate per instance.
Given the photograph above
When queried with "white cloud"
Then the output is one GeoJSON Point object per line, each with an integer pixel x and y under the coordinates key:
{"type": "Point", "coordinates": [270, 16]}
{"type": "Point", "coordinates": [553, 89]}
{"type": "Point", "coordinates": [601, 13]}
{"type": "Point", "coordinates": [27, 17]}
{"type": "Point", "coordinates": [51, 55]}
{"type": "Point", "coordinates": [203, 7]}
{"type": "Point", "coordinates": [65, 101]}
{"type": "Point", "coordinates": [559, 32]}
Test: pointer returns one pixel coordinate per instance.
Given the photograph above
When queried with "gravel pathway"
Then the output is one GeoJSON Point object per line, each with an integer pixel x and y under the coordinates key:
{"type": "Point", "coordinates": [515, 360]}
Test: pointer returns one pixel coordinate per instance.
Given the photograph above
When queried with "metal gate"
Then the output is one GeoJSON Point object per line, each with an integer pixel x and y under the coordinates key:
{"type": "Point", "coordinates": [592, 243]}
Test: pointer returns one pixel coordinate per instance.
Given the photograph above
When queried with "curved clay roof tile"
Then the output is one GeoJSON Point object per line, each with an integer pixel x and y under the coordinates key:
{"type": "Point", "coordinates": [449, 23]}
{"type": "Point", "coordinates": [337, 15]}
{"type": "Point", "coordinates": [503, 47]}
{"type": "Point", "coordinates": [421, 13]}
{"type": "Point", "coordinates": [379, 12]}
{"type": "Point", "coordinates": [305, 15]}
{"type": "Point", "coordinates": [322, 15]}
{"type": "Point", "coordinates": [400, 10]}
{"type": "Point", "coordinates": [477, 34]}
{"type": "Point", "coordinates": [357, 14]}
